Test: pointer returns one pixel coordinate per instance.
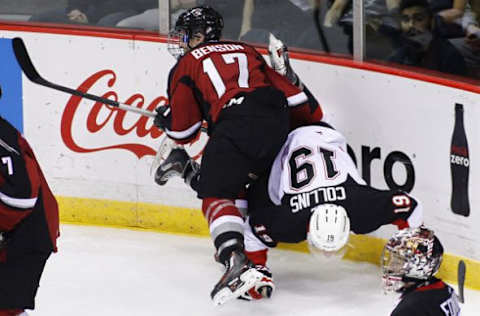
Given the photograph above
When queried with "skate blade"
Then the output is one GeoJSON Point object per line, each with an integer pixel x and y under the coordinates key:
{"type": "Point", "coordinates": [249, 278]}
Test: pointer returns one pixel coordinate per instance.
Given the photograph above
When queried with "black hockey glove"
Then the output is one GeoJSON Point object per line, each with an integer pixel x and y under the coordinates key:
{"type": "Point", "coordinates": [163, 118]}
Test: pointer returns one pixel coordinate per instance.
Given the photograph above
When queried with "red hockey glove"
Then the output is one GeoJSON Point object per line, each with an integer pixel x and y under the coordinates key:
{"type": "Point", "coordinates": [263, 288]}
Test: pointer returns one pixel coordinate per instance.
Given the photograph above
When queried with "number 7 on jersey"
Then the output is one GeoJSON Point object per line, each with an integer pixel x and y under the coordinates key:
{"type": "Point", "coordinates": [211, 70]}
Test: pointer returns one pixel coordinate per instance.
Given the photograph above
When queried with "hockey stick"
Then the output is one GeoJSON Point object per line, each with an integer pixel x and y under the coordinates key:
{"type": "Point", "coordinates": [29, 70]}
{"type": "Point", "coordinates": [461, 280]}
{"type": "Point", "coordinates": [32, 74]}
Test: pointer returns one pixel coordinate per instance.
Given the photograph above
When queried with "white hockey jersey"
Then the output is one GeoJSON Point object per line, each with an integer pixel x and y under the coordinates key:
{"type": "Point", "coordinates": [310, 167]}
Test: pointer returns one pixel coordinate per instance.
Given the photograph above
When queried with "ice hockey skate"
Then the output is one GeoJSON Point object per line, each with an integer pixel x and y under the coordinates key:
{"type": "Point", "coordinates": [239, 277]}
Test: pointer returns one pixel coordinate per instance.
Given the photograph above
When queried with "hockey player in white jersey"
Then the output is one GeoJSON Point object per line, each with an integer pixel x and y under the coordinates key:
{"type": "Point", "coordinates": [315, 193]}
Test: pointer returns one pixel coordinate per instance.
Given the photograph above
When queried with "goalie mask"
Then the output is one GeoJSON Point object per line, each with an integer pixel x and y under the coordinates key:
{"type": "Point", "coordinates": [204, 20]}
{"type": "Point", "coordinates": [329, 230]}
{"type": "Point", "coordinates": [411, 255]}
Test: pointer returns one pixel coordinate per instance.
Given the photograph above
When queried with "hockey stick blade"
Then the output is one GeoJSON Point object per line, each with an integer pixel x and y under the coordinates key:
{"type": "Point", "coordinates": [461, 280]}
{"type": "Point", "coordinates": [32, 74]}
{"type": "Point", "coordinates": [24, 60]}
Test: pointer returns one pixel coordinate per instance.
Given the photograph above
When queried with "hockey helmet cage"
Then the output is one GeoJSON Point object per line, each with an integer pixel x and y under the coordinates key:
{"type": "Point", "coordinates": [410, 255]}
{"type": "Point", "coordinates": [204, 20]}
{"type": "Point", "coordinates": [329, 230]}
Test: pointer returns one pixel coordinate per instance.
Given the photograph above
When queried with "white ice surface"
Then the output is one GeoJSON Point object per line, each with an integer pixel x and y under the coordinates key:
{"type": "Point", "coordinates": [109, 271]}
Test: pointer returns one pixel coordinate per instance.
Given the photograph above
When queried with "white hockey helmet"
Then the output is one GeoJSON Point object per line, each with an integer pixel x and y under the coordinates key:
{"type": "Point", "coordinates": [411, 255]}
{"type": "Point", "coordinates": [329, 230]}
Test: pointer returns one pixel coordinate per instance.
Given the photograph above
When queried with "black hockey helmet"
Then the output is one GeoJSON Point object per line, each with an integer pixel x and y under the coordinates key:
{"type": "Point", "coordinates": [203, 20]}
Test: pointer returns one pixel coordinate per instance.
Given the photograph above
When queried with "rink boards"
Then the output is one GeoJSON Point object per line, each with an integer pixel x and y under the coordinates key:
{"type": "Point", "coordinates": [98, 160]}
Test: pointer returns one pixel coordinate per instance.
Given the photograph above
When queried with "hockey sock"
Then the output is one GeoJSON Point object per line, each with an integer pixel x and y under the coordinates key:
{"type": "Point", "coordinates": [226, 225]}
{"type": "Point", "coordinates": [257, 257]}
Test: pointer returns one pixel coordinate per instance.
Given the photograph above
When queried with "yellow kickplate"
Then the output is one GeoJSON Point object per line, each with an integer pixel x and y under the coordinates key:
{"type": "Point", "coordinates": [180, 220]}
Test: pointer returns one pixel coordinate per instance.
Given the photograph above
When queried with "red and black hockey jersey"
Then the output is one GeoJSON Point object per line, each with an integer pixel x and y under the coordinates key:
{"type": "Point", "coordinates": [28, 209]}
{"type": "Point", "coordinates": [207, 78]}
{"type": "Point", "coordinates": [432, 299]}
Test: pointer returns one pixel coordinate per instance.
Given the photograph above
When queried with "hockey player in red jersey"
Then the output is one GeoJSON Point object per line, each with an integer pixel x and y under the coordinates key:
{"type": "Point", "coordinates": [29, 224]}
{"type": "Point", "coordinates": [230, 87]}
{"type": "Point", "coordinates": [312, 181]}
{"type": "Point", "coordinates": [409, 262]}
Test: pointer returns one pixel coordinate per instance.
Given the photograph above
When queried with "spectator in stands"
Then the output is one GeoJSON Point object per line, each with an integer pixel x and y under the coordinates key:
{"type": "Point", "coordinates": [469, 45]}
{"type": "Point", "coordinates": [232, 12]}
{"type": "Point", "coordinates": [102, 13]}
{"type": "Point", "coordinates": [448, 17]}
{"type": "Point", "coordinates": [285, 19]}
{"type": "Point", "coordinates": [449, 10]}
{"type": "Point", "coordinates": [378, 45]}
{"type": "Point", "coordinates": [253, 20]}
{"type": "Point", "coordinates": [149, 18]}
{"type": "Point", "coordinates": [419, 43]}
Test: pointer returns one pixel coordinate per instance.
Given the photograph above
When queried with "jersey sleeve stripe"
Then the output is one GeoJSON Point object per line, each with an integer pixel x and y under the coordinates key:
{"type": "Point", "coordinates": [416, 218]}
{"type": "Point", "coordinates": [8, 147]}
{"type": "Point", "coordinates": [297, 99]}
{"type": "Point", "coordinates": [18, 203]}
{"type": "Point", "coordinates": [192, 130]}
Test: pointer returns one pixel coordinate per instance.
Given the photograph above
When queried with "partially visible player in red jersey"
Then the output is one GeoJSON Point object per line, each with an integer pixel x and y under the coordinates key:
{"type": "Point", "coordinates": [247, 107]}
{"type": "Point", "coordinates": [28, 222]}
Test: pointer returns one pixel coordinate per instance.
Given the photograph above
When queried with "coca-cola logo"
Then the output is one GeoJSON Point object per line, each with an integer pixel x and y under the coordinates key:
{"type": "Point", "coordinates": [459, 156]}
{"type": "Point", "coordinates": [116, 118]}
{"type": "Point", "coordinates": [459, 150]}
